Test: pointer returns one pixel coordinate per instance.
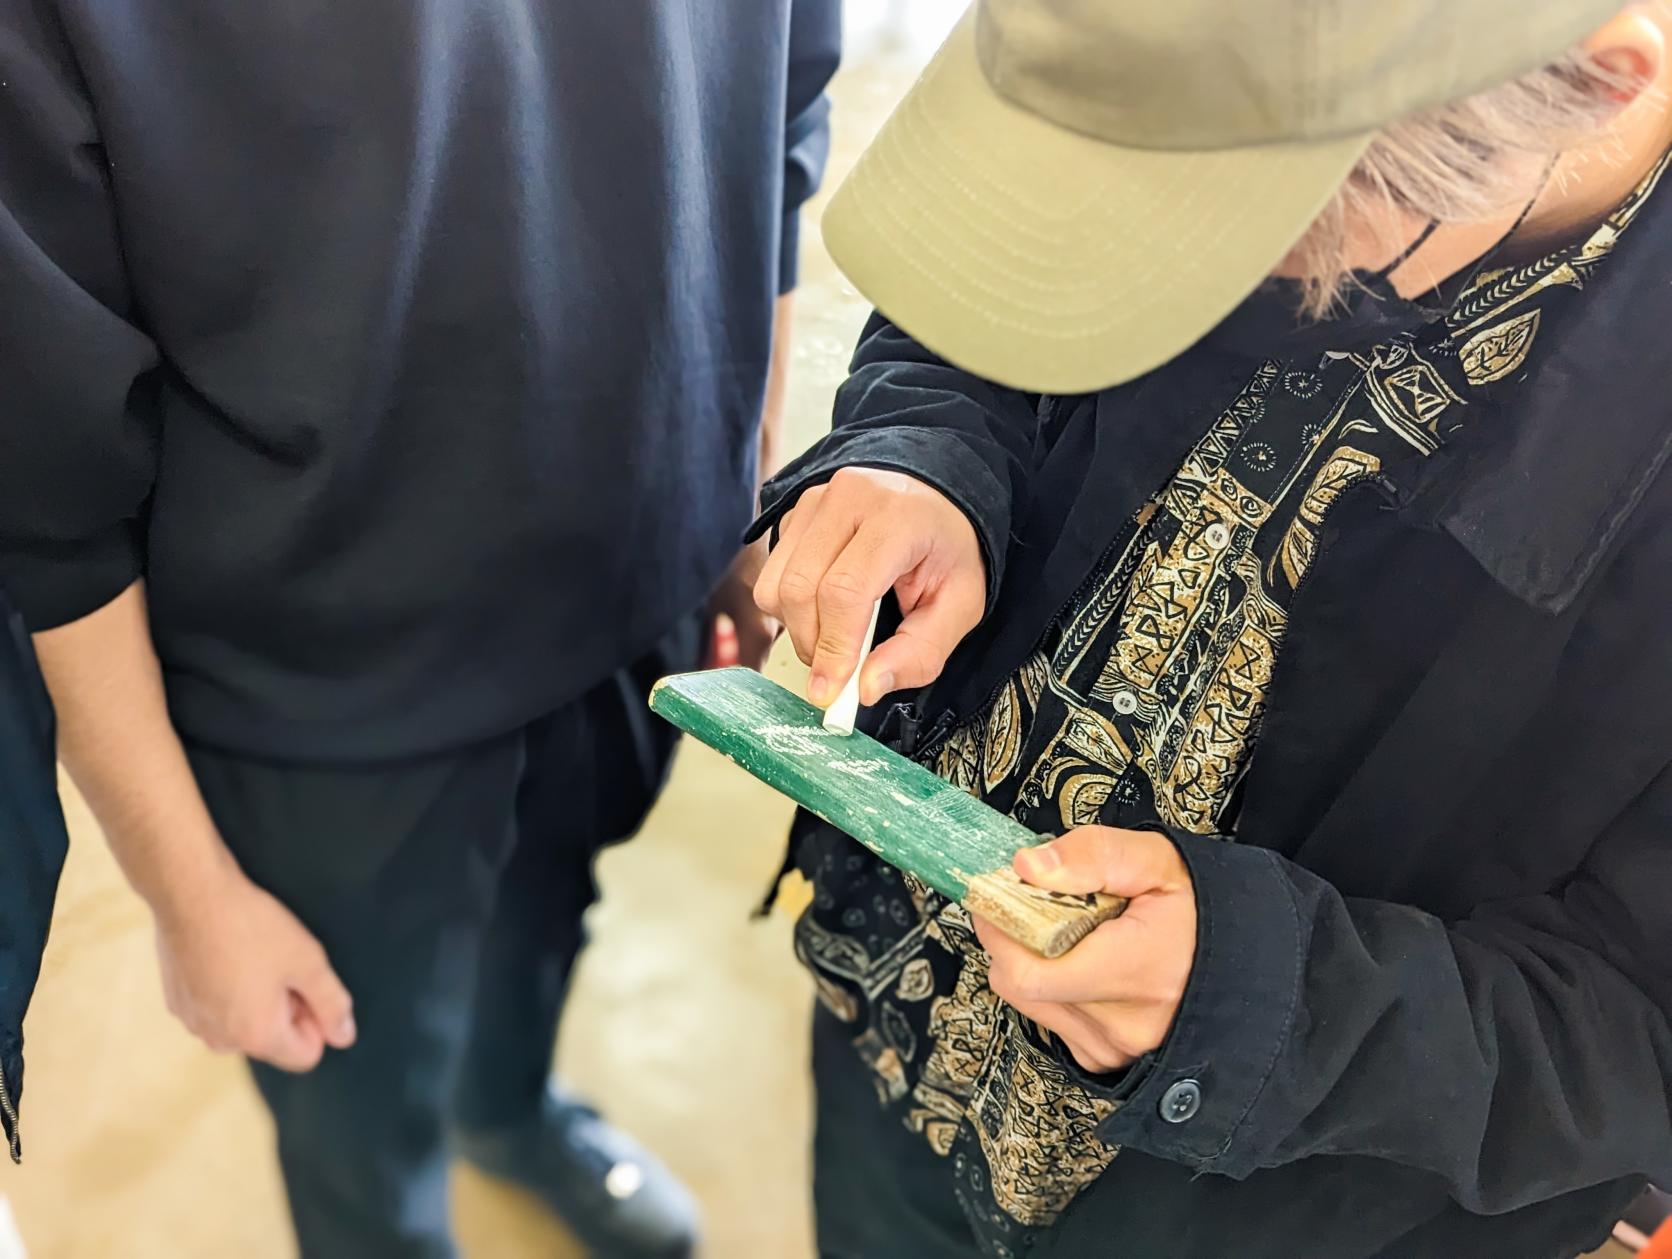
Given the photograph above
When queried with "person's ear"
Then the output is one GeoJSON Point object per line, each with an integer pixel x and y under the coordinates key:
{"type": "Point", "coordinates": [1632, 48]}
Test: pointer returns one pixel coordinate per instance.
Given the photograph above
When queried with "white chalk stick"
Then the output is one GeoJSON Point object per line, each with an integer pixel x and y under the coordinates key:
{"type": "Point", "coordinates": [842, 713]}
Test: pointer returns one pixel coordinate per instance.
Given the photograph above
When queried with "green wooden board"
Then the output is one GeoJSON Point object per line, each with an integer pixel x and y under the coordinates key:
{"type": "Point", "coordinates": [896, 808]}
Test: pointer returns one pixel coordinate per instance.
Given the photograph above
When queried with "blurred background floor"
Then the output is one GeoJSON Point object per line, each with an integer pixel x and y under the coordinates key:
{"type": "Point", "coordinates": [687, 1023]}
{"type": "Point", "coordinates": [688, 1020]}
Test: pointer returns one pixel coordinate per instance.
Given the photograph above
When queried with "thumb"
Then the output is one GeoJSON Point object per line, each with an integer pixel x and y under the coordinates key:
{"type": "Point", "coordinates": [323, 996]}
{"type": "Point", "coordinates": [1104, 859]}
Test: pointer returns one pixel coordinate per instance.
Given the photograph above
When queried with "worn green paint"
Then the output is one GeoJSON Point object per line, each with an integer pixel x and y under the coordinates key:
{"type": "Point", "coordinates": [896, 808]}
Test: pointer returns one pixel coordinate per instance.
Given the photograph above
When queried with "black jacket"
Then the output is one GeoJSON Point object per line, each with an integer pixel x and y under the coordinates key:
{"type": "Point", "coordinates": [32, 847]}
{"type": "Point", "coordinates": [413, 353]}
{"type": "Point", "coordinates": [1429, 1013]}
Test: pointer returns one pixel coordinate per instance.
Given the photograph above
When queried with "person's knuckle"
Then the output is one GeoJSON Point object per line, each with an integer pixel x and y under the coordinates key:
{"type": "Point", "coordinates": [1101, 1058]}
{"type": "Point", "coordinates": [767, 602]}
{"type": "Point", "coordinates": [911, 671]}
{"type": "Point", "coordinates": [798, 588]}
{"type": "Point", "coordinates": [1100, 851]}
{"type": "Point", "coordinates": [1017, 983]}
{"type": "Point", "coordinates": [842, 588]}
{"type": "Point", "coordinates": [1124, 1044]}
{"type": "Point", "coordinates": [927, 653]}
{"type": "Point", "coordinates": [848, 480]}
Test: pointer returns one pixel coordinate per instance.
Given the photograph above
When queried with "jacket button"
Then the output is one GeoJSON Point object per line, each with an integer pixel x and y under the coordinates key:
{"type": "Point", "coordinates": [1180, 1103]}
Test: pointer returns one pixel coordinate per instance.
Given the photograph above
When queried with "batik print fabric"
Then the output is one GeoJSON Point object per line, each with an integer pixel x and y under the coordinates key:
{"type": "Point", "coordinates": [1142, 707]}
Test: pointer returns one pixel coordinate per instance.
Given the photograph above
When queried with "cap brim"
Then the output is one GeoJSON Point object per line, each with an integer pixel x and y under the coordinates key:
{"type": "Point", "coordinates": [1051, 261]}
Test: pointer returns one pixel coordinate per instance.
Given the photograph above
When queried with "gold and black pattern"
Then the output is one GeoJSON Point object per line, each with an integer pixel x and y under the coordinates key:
{"type": "Point", "coordinates": [1341, 471]}
{"type": "Point", "coordinates": [990, 1068]}
{"type": "Point", "coordinates": [1499, 351]}
{"type": "Point", "coordinates": [1410, 394]}
{"type": "Point", "coordinates": [1142, 706]}
{"type": "Point", "coordinates": [1076, 772]}
{"type": "Point", "coordinates": [1493, 347]}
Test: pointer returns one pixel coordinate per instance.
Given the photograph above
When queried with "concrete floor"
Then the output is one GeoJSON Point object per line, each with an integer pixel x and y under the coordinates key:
{"type": "Point", "coordinates": [688, 1019]}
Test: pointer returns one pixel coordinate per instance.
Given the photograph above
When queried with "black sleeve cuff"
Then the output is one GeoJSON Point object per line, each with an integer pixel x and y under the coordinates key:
{"type": "Point", "coordinates": [54, 584]}
{"type": "Point", "coordinates": [1188, 1103]}
{"type": "Point", "coordinates": [928, 456]}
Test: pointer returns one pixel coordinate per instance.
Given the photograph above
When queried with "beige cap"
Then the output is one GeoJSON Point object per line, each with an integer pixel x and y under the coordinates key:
{"type": "Point", "coordinates": [1076, 190]}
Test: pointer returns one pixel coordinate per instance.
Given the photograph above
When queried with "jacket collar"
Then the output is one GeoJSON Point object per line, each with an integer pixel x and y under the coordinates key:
{"type": "Point", "coordinates": [1562, 455]}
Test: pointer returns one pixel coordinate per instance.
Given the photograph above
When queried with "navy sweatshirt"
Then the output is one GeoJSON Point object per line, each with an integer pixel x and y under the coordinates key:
{"type": "Point", "coordinates": [412, 351]}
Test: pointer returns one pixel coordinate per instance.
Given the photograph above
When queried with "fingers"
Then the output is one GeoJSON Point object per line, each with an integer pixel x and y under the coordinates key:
{"type": "Point", "coordinates": [790, 528]}
{"type": "Point", "coordinates": [1104, 859]}
{"type": "Point", "coordinates": [919, 649]}
{"type": "Point", "coordinates": [823, 584]}
{"type": "Point", "coordinates": [296, 1041]}
{"type": "Point", "coordinates": [755, 636]}
{"type": "Point", "coordinates": [1109, 965]}
{"type": "Point", "coordinates": [1014, 979]}
{"type": "Point", "coordinates": [740, 633]}
{"type": "Point", "coordinates": [873, 559]}
{"type": "Point", "coordinates": [1023, 978]}
{"type": "Point", "coordinates": [324, 997]}
{"type": "Point", "coordinates": [1078, 1033]}
{"type": "Point", "coordinates": [289, 1033]}
{"type": "Point", "coordinates": [844, 546]}
{"type": "Point", "coordinates": [822, 593]}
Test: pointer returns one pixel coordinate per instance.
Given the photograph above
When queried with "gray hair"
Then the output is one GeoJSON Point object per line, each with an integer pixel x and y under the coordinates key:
{"type": "Point", "coordinates": [1456, 163]}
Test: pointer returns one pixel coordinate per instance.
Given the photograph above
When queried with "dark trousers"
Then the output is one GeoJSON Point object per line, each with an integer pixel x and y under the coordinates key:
{"type": "Point", "coordinates": [879, 1191]}
{"type": "Point", "coordinates": [448, 893]}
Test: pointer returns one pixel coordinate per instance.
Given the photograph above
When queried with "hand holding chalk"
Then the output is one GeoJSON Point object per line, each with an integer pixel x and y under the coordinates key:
{"type": "Point", "coordinates": [842, 714]}
{"type": "Point", "coordinates": [847, 543]}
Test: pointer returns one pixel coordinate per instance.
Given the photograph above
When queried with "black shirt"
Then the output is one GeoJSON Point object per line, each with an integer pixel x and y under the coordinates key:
{"type": "Point", "coordinates": [412, 353]}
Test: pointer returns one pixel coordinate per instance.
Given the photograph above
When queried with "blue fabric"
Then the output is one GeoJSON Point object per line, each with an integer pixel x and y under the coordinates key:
{"type": "Point", "coordinates": [448, 892]}
{"type": "Point", "coordinates": [412, 351]}
{"type": "Point", "coordinates": [32, 841]}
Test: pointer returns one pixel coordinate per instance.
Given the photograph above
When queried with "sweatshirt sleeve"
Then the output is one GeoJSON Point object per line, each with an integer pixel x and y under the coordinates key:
{"type": "Point", "coordinates": [77, 448]}
{"type": "Point", "coordinates": [1518, 1052]}
{"type": "Point", "coordinates": [815, 49]}
{"type": "Point", "coordinates": [904, 409]}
